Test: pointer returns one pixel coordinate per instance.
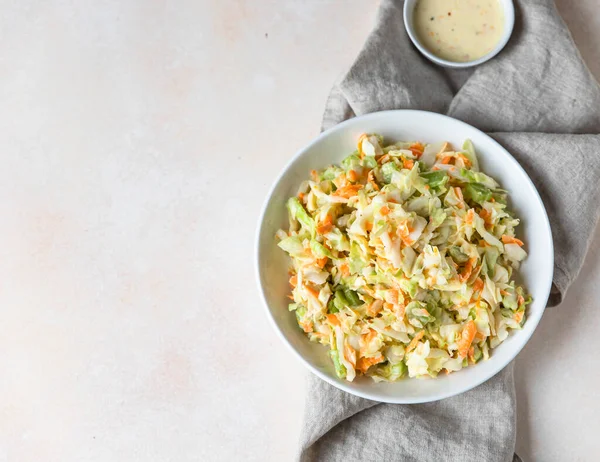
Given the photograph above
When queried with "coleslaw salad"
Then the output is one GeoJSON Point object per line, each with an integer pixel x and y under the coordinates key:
{"type": "Point", "coordinates": [403, 259]}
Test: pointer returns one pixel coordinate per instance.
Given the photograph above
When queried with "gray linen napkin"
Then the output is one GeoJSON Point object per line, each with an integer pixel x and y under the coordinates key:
{"type": "Point", "coordinates": [538, 99]}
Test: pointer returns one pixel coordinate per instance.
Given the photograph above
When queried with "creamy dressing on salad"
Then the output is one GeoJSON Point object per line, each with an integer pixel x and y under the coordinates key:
{"type": "Point", "coordinates": [459, 30]}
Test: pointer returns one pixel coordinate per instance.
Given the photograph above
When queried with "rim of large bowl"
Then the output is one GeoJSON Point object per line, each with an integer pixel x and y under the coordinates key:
{"type": "Point", "coordinates": [374, 395]}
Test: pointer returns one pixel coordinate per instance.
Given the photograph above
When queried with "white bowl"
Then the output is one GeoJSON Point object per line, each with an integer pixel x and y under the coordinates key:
{"type": "Point", "coordinates": [509, 23]}
{"type": "Point", "coordinates": [331, 147]}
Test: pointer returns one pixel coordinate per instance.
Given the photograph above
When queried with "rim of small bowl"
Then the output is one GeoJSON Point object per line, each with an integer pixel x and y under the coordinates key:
{"type": "Point", "coordinates": [509, 24]}
{"type": "Point", "coordinates": [373, 396]}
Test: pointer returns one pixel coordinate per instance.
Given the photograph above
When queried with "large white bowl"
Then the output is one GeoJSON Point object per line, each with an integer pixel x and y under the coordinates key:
{"type": "Point", "coordinates": [331, 147]}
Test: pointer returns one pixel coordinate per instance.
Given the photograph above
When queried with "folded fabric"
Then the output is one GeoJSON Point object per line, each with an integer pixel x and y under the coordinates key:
{"type": "Point", "coordinates": [539, 100]}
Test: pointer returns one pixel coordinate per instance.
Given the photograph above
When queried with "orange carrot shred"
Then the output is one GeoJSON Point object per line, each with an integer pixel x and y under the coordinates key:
{"type": "Point", "coordinates": [345, 269]}
{"type": "Point", "coordinates": [321, 262]}
{"type": "Point", "coordinates": [417, 149]}
{"type": "Point", "coordinates": [468, 269]}
{"type": "Point", "coordinates": [306, 326]}
{"type": "Point", "coordinates": [466, 338]}
{"type": "Point", "coordinates": [470, 217]}
{"type": "Point", "coordinates": [313, 292]}
{"type": "Point", "coordinates": [487, 216]}
{"type": "Point", "coordinates": [511, 240]}
{"type": "Point", "coordinates": [333, 319]}
{"type": "Point", "coordinates": [414, 342]}
{"type": "Point", "coordinates": [326, 225]}
{"type": "Point", "coordinates": [363, 364]}
{"type": "Point", "coordinates": [364, 341]}
{"type": "Point", "coordinates": [348, 191]}
{"type": "Point", "coordinates": [465, 159]}
{"type": "Point", "coordinates": [518, 316]}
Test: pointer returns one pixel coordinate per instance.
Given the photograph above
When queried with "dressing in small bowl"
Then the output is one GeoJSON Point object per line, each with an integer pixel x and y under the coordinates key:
{"type": "Point", "coordinates": [459, 33]}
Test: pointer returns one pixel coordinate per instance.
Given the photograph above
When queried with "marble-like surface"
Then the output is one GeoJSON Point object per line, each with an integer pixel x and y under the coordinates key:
{"type": "Point", "coordinates": [138, 141]}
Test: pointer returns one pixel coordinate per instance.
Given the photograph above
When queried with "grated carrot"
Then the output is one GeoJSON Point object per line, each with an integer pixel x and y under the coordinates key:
{"type": "Point", "coordinates": [465, 159]}
{"type": "Point", "coordinates": [468, 269]}
{"type": "Point", "coordinates": [306, 326]}
{"type": "Point", "coordinates": [313, 292]}
{"type": "Point", "coordinates": [413, 343]}
{"type": "Point", "coordinates": [518, 316]}
{"type": "Point", "coordinates": [333, 319]}
{"type": "Point", "coordinates": [363, 364]}
{"type": "Point", "coordinates": [345, 269]}
{"type": "Point", "coordinates": [487, 216]}
{"type": "Point", "coordinates": [348, 191]}
{"type": "Point", "coordinates": [364, 341]}
{"type": "Point", "coordinates": [511, 240]}
{"type": "Point", "coordinates": [417, 149]}
{"type": "Point", "coordinates": [466, 338]}
{"type": "Point", "coordinates": [470, 217]}
{"type": "Point", "coordinates": [326, 225]}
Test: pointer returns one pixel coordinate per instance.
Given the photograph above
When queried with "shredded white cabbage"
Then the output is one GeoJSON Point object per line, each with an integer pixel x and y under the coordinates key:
{"type": "Point", "coordinates": [403, 260]}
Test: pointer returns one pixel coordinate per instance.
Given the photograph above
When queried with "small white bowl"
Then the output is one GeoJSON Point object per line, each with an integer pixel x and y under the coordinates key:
{"type": "Point", "coordinates": [331, 147]}
{"type": "Point", "coordinates": [509, 23]}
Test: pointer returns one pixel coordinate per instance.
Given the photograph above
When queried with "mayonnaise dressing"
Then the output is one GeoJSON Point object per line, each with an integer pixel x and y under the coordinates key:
{"type": "Point", "coordinates": [459, 30]}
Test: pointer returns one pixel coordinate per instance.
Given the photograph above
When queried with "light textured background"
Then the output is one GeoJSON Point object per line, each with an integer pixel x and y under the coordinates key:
{"type": "Point", "coordinates": [137, 142]}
